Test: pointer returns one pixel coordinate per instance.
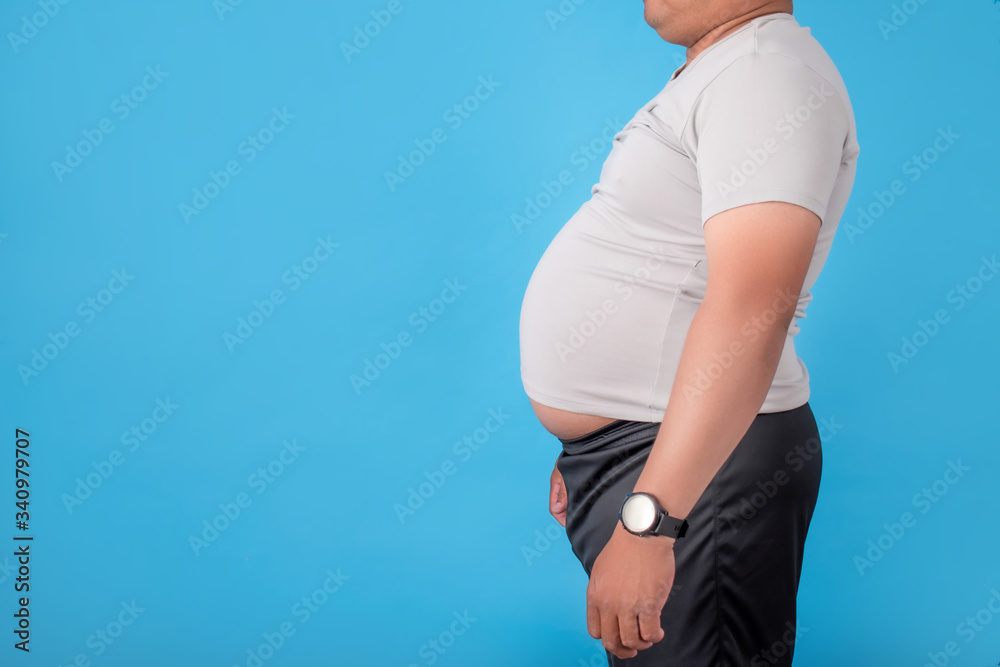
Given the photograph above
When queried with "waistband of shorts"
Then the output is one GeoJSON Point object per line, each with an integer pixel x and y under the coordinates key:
{"type": "Point", "coordinates": [621, 428]}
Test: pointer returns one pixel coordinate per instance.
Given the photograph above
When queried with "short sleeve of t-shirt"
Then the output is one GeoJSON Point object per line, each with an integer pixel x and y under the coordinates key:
{"type": "Point", "coordinates": [767, 128]}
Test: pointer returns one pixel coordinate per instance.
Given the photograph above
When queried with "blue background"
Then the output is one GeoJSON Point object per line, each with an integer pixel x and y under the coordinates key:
{"type": "Point", "coordinates": [478, 544]}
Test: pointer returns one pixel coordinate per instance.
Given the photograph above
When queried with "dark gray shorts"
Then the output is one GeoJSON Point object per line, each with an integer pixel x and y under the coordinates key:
{"type": "Point", "coordinates": [737, 569]}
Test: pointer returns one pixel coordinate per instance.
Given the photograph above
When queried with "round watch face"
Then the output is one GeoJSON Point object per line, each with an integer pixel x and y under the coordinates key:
{"type": "Point", "coordinates": [638, 513]}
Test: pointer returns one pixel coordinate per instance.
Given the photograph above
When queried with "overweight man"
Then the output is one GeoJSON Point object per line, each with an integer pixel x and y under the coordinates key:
{"type": "Point", "coordinates": [657, 342]}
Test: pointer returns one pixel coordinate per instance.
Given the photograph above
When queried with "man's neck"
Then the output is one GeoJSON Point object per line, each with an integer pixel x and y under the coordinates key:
{"type": "Point", "coordinates": [731, 26]}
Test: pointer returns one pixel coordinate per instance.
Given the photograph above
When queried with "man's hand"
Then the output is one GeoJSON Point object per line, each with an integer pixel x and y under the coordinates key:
{"type": "Point", "coordinates": [557, 496]}
{"type": "Point", "coordinates": [629, 584]}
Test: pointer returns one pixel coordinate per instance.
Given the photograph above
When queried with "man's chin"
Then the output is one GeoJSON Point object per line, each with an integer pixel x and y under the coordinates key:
{"type": "Point", "coordinates": [656, 23]}
{"type": "Point", "coordinates": [654, 19]}
{"type": "Point", "coordinates": [650, 20]}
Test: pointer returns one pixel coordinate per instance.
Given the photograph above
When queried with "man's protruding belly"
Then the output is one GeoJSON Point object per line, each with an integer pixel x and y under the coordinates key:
{"type": "Point", "coordinates": [602, 324]}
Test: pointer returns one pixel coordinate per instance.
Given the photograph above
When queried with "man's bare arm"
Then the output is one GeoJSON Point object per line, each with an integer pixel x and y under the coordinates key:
{"type": "Point", "coordinates": [757, 254]}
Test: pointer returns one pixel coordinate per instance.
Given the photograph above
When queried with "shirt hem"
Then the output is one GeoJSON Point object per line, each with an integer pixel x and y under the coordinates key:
{"type": "Point", "coordinates": [620, 412]}
{"type": "Point", "coordinates": [794, 399]}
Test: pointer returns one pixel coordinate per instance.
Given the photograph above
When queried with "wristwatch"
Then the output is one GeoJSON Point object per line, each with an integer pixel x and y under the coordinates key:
{"type": "Point", "coordinates": [641, 515]}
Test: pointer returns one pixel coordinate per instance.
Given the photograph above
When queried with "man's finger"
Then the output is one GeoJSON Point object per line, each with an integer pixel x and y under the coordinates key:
{"type": "Point", "coordinates": [628, 627]}
{"type": "Point", "coordinates": [557, 497]}
{"type": "Point", "coordinates": [649, 626]}
{"type": "Point", "coordinates": [593, 618]}
{"type": "Point", "coordinates": [560, 518]}
{"type": "Point", "coordinates": [611, 638]}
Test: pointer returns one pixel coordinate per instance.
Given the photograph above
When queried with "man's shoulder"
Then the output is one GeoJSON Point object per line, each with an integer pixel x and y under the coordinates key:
{"type": "Point", "coordinates": [796, 42]}
{"type": "Point", "coordinates": [784, 52]}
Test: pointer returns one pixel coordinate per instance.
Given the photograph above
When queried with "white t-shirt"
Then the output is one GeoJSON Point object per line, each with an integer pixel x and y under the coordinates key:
{"type": "Point", "coordinates": [761, 115]}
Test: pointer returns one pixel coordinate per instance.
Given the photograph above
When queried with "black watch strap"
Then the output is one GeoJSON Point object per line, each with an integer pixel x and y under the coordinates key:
{"type": "Point", "coordinates": [671, 526]}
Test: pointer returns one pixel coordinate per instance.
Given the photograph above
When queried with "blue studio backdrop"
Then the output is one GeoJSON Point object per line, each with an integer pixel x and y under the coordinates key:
{"type": "Point", "coordinates": [262, 267]}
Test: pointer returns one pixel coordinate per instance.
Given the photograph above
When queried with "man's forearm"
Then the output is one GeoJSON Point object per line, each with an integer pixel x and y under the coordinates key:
{"type": "Point", "coordinates": [707, 417]}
